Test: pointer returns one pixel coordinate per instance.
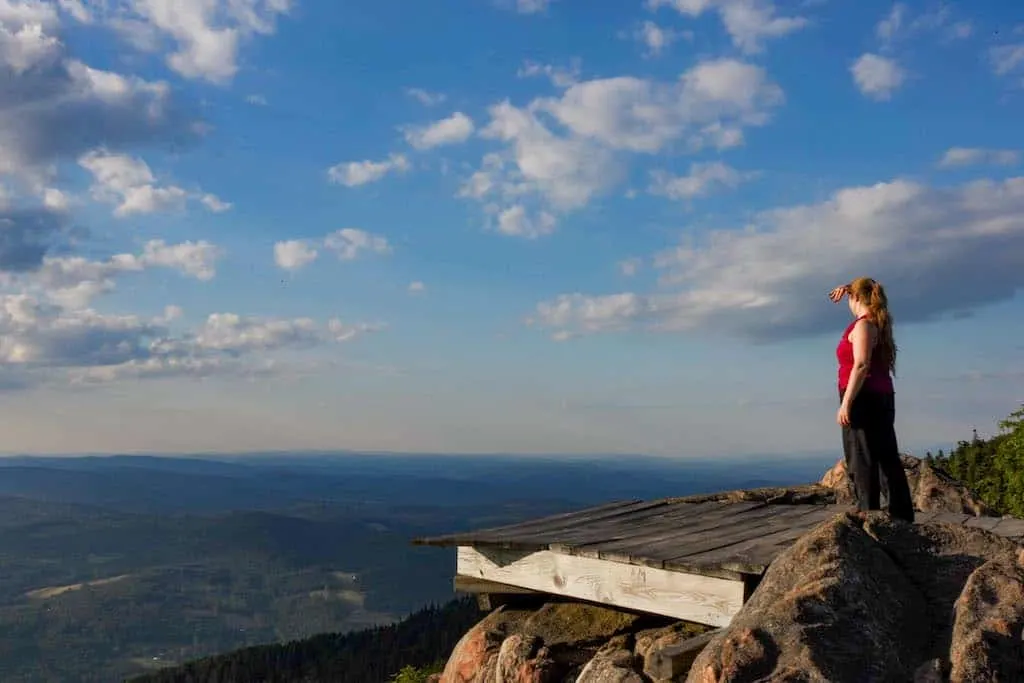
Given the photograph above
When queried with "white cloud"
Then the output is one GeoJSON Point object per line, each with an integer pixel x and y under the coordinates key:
{"type": "Point", "coordinates": [657, 38]}
{"type": "Point", "coordinates": [566, 171]}
{"type": "Point", "coordinates": [631, 266]}
{"type": "Point", "coordinates": [769, 280]}
{"type": "Point", "coordinates": [532, 6]}
{"type": "Point", "coordinates": [192, 258]}
{"type": "Point", "coordinates": [748, 22]}
{"type": "Point", "coordinates": [74, 281]}
{"type": "Point", "coordinates": [898, 24]}
{"type": "Point", "coordinates": [129, 183]}
{"type": "Point", "coordinates": [25, 35]}
{"type": "Point", "coordinates": [560, 76]}
{"type": "Point", "coordinates": [877, 77]}
{"type": "Point", "coordinates": [88, 346]}
{"type": "Point", "coordinates": [342, 332]}
{"type": "Point", "coordinates": [207, 34]}
{"type": "Point", "coordinates": [702, 180]}
{"type": "Point", "coordinates": [55, 200]}
{"type": "Point", "coordinates": [639, 115]}
{"type": "Point", "coordinates": [971, 156]}
{"type": "Point", "coordinates": [417, 287]}
{"type": "Point", "coordinates": [234, 333]}
{"type": "Point", "coordinates": [452, 130]}
{"type": "Point", "coordinates": [544, 171]}
{"type": "Point", "coordinates": [56, 108]}
{"type": "Point", "coordinates": [888, 28]}
{"type": "Point", "coordinates": [77, 9]}
{"type": "Point", "coordinates": [256, 100]}
{"type": "Point", "coordinates": [349, 243]}
{"type": "Point", "coordinates": [294, 254]}
{"type": "Point", "coordinates": [425, 97]}
{"type": "Point", "coordinates": [1007, 59]}
{"type": "Point", "coordinates": [214, 203]}
{"type": "Point", "coordinates": [355, 173]}
{"type": "Point", "coordinates": [516, 222]}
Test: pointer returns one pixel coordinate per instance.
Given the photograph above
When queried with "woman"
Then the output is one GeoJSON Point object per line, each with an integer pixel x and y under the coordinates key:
{"type": "Point", "coordinates": [866, 355]}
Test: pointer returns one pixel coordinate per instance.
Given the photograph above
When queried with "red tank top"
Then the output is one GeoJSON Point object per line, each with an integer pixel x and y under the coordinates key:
{"type": "Point", "coordinates": [878, 378]}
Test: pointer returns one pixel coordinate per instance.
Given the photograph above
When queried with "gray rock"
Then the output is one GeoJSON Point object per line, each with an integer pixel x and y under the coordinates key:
{"type": "Point", "coordinates": [611, 665]}
{"type": "Point", "coordinates": [832, 607]}
{"type": "Point", "coordinates": [986, 643]}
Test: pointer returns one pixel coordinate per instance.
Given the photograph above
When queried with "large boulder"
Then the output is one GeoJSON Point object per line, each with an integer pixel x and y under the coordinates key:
{"type": "Point", "coordinates": [567, 641]}
{"type": "Point", "coordinates": [988, 625]}
{"type": "Point", "coordinates": [818, 611]}
{"type": "Point", "coordinates": [550, 644]}
{"type": "Point", "coordinates": [865, 601]}
{"type": "Point", "coordinates": [930, 489]}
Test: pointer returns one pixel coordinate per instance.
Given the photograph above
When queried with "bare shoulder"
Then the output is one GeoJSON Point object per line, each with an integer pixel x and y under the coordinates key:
{"type": "Point", "coordinates": [864, 326]}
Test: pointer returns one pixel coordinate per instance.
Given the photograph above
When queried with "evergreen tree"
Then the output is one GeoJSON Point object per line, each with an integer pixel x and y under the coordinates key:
{"type": "Point", "coordinates": [993, 468]}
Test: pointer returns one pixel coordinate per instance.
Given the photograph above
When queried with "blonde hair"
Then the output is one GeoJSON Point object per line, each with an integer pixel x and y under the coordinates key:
{"type": "Point", "coordinates": [872, 294]}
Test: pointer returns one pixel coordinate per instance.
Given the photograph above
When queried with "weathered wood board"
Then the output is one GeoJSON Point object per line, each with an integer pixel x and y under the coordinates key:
{"type": "Point", "coordinates": [701, 599]}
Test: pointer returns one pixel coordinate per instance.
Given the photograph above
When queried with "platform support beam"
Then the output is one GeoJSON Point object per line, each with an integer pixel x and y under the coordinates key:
{"type": "Point", "coordinates": [692, 597]}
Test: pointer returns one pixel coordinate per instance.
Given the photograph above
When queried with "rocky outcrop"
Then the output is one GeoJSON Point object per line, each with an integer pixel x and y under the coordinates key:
{"type": "Point", "coordinates": [988, 625]}
{"type": "Point", "coordinates": [874, 600]}
{"type": "Point", "coordinates": [930, 488]}
{"type": "Point", "coordinates": [565, 641]}
{"type": "Point", "coordinates": [854, 600]}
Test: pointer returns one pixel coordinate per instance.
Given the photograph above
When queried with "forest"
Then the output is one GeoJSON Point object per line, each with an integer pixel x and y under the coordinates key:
{"type": "Point", "coordinates": [993, 467]}
{"type": "Point", "coordinates": [403, 653]}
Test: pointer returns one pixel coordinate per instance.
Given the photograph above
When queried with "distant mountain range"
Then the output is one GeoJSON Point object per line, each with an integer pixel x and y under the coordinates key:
{"type": "Point", "coordinates": [112, 566]}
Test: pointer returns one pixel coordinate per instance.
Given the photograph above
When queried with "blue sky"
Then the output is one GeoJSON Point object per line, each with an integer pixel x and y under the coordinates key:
{"type": "Point", "coordinates": [501, 225]}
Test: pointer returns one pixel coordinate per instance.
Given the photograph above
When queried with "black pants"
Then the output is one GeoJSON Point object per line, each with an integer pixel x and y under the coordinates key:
{"type": "Point", "coordinates": [872, 455]}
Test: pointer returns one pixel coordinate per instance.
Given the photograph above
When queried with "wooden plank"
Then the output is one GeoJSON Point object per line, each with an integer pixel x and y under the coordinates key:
{"type": "Point", "coordinates": [572, 517]}
{"type": "Point", "coordinates": [926, 517]}
{"type": "Point", "coordinates": [573, 521]}
{"type": "Point", "coordinates": [672, 662]}
{"type": "Point", "coordinates": [751, 556]}
{"type": "Point", "coordinates": [680, 516]}
{"type": "Point", "coordinates": [728, 515]}
{"type": "Point", "coordinates": [1009, 527]}
{"type": "Point", "coordinates": [789, 516]}
{"type": "Point", "coordinates": [589, 532]}
{"type": "Point", "coordinates": [629, 526]}
{"type": "Point", "coordinates": [474, 585]}
{"type": "Point", "coordinates": [701, 599]}
{"type": "Point", "coordinates": [955, 518]}
{"type": "Point", "coordinates": [987, 523]}
{"type": "Point", "coordinates": [767, 539]}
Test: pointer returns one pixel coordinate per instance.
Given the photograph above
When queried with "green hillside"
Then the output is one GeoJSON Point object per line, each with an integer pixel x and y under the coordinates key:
{"type": "Point", "coordinates": [98, 595]}
{"type": "Point", "coordinates": [399, 651]}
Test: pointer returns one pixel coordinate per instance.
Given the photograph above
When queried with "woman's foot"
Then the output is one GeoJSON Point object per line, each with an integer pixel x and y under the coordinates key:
{"type": "Point", "coordinates": [856, 512]}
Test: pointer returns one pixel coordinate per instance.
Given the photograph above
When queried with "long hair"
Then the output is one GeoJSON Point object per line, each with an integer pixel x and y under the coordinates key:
{"type": "Point", "coordinates": [872, 294]}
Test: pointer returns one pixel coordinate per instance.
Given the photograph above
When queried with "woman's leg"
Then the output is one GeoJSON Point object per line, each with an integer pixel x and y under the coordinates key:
{"type": "Point", "coordinates": [861, 465]}
{"type": "Point", "coordinates": [883, 443]}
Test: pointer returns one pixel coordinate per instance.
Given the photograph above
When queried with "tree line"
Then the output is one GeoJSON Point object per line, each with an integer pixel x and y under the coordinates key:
{"type": "Point", "coordinates": [993, 468]}
{"type": "Point", "coordinates": [405, 652]}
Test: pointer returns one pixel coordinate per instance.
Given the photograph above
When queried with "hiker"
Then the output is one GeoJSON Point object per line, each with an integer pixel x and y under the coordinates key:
{"type": "Point", "coordinates": [866, 355]}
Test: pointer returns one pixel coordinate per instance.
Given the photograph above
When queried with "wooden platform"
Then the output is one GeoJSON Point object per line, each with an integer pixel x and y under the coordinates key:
{"type": "Point", "coordinates": [693, 561]}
